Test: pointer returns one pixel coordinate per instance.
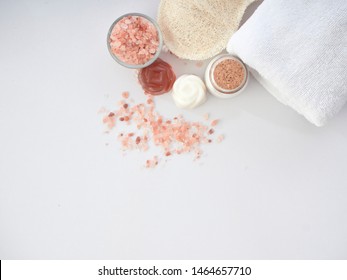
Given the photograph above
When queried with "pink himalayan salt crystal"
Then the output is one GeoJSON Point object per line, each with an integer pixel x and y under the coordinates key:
{"type": "Point", "coordinates": [214, 122]}
{"type": "Point", "coordinates": [220, 138]}
{"type": "Point", "coordinates": [206, 116]}
{"type": "Point", "coordinates": [125, 94]}
{"type": "Point", "coordinates": [110, 120]}
{"type": "Point", "coordinates": [173, 136]}
{"type": "Point", "coordinates": [151, 163]}
{"type": "Point", "coordinates": [134, 40]}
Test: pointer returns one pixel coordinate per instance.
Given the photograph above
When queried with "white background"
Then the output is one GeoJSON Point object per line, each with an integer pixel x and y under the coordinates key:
{"type": "Point", "coordinates": [275, 188]}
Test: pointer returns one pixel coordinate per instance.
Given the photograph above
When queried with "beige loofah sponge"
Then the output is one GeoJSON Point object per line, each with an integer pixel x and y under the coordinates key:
{"type": "Point", "coordinates": [199, 29]}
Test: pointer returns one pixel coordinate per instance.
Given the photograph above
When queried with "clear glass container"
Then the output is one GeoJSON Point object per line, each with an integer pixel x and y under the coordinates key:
{"type": "Point", "coordinates": [135, 66]}
{"type": "Point", "coordinates": [213, 86]}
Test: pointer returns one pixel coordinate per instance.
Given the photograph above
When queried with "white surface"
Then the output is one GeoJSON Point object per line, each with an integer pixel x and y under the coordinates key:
{"type": "Point", "coordinates": [275, 188]}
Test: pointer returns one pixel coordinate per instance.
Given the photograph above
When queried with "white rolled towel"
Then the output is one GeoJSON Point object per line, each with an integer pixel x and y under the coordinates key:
{"type": "Point", "coordinates": [298, 51]}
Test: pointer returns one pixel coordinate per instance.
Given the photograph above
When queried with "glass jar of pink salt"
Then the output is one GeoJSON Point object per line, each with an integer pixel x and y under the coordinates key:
{"type": "Point", "coordinates": [226, 76]}
{"type": "Point", "coordinates": [134, 40]}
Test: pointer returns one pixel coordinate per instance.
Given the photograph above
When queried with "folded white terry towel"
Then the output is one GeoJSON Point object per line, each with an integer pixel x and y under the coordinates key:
{"type": "Point", "coordinates": [298, 51]}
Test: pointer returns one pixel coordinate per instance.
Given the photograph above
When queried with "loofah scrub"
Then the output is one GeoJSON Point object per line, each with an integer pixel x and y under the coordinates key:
{"type": "Point", "coordinates": [199, 29]}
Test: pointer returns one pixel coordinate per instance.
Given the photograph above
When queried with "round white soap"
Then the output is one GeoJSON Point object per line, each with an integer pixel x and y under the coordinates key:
{"type": "Point", "coordinates": [189, 91]}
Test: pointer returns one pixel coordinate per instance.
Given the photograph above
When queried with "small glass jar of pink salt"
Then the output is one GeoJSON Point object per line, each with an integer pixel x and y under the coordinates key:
{"type": "Point", "coordinates": [226, 76]}
{"type": "Point", "coordinates": [134, 40]}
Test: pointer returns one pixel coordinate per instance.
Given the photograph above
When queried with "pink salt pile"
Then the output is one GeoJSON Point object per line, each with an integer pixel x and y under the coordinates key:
{"type": "Point", "coordinates": [134, 40]}
{"type": "Point", "coordinates": [173, 136]}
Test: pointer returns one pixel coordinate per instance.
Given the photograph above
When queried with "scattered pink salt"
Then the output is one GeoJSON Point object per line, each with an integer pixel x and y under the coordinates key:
{"type": "Point", "coordinates": [173, 136]}
{"type": "Point", "coordinates": [151, 163]}
{"type": "Point", "coordinates": [206, 116]}
{"type": "Point", "coordinates": [220, 138]}
{"type": "Point", "coordinates": [125, 94]}
{"type": "Point", "coordinates": [214, 122]}
{"type": "Point", "coordinates": [110, 120]}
